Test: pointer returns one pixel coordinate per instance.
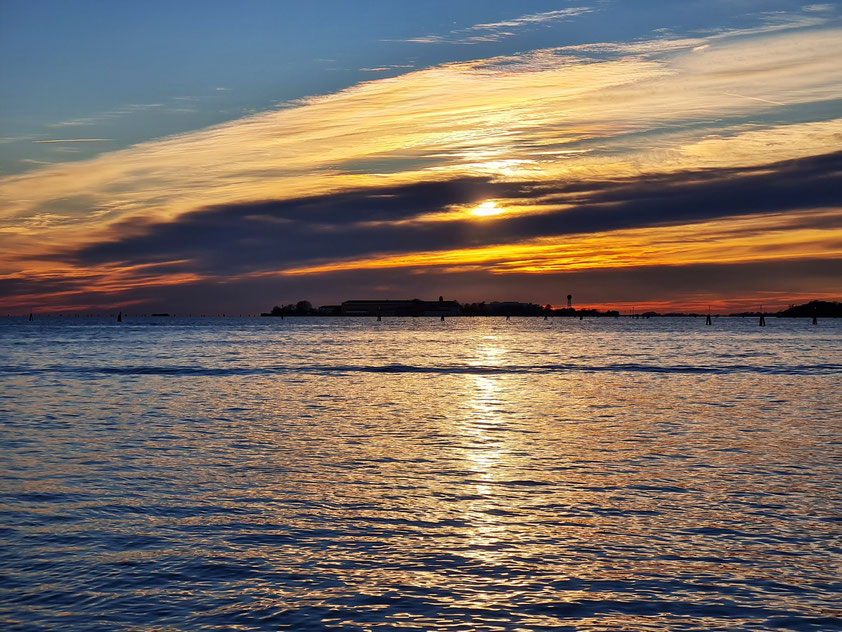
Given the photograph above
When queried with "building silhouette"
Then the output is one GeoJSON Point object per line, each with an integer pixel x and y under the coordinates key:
{"type": "Point", "coordinates": [414, 307]}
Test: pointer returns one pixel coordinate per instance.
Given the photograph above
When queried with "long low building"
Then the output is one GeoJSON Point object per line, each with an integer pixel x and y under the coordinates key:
{"type": "Point", "coordinates": [414, 307]}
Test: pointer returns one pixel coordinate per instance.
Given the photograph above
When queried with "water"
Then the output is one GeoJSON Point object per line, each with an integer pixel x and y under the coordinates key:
{"type": "Point", "coordinates": [476, 474]}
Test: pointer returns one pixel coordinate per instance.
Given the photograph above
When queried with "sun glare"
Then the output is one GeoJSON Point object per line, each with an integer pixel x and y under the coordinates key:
{"type": "Point", "coordinates": [487, 209]}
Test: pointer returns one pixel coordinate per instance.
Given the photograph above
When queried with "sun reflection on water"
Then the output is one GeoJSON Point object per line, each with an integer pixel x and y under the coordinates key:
{"type": "Point", "coordinates": [484, 449]}
{"type": "Point", "coordinates": [469, 487]}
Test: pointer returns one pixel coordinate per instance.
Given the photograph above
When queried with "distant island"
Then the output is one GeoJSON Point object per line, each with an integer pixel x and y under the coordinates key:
{"type": "Point", "coordinates": [818, 309]}
{"type": "Point", "coordinates": [418, 307]}
{"type": "Point", "coordinates": [441, 307]}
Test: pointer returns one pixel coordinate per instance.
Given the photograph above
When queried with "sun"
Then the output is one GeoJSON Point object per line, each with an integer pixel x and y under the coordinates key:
{"type": "Point", "coordinates": [487, 209]}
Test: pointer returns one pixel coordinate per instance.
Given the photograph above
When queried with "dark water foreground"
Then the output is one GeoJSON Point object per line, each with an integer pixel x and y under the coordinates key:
{"type": "Point", "coordinates": [416, 475]}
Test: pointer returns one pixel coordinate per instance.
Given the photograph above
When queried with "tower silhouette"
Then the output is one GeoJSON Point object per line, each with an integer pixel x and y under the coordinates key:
{"type": "Point", "coordinates": [569, 301]}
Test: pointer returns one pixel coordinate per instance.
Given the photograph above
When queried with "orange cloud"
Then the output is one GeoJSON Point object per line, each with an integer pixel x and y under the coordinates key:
{"type": "Point", "coordinates": [728, 240]}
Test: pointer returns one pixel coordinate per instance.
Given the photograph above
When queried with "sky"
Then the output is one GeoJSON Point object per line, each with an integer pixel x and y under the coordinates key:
{"type": "Point", "coordinates": [207, 157]}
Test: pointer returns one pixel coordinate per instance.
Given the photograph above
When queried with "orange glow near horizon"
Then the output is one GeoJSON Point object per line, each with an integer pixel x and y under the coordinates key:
{"type": "Point", "coordinates": [728, 240]}
{"type": "Point", "coordinates": [767, 302]}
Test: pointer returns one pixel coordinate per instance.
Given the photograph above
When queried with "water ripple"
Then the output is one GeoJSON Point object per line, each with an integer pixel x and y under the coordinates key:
{"type": "Point", "coordinates": [442, 369]}
{"type": "Point", "coordinates": [475, 475]}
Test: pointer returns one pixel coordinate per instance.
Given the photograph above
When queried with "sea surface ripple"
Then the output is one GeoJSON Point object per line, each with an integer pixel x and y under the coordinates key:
{"type": "Point", "coordinates": [474, 474]}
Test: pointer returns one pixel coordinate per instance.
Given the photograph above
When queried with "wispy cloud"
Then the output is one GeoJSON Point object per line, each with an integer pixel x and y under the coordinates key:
{"type": "Point", "coordinates": [772, 22]}
{"type": "Point", "coordinates": [95, 119]}
{"type": "Point", "coordinates": [176, 105]}
{"type": "Point", "coordinates": [818, 8]}
{"type": "Point", "coordinates": [73, 140]}
{"type": "Point", "coordinates": [769, 22]}
{"type": "Point", "coordinates": [387, 67]}
{"type": "Point", "coordinates": [6, 140]}
{"type": "Point", "coordinates": [534, 18]}
{"type": "Point", "coordinates": [495, 31]}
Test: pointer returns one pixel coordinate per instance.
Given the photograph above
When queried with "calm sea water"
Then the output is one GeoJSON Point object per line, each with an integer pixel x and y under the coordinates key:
{"type": "Point", "coordinates": [476, 474]}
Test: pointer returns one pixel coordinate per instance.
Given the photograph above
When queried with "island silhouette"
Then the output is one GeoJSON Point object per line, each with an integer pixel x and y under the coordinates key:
{"type": "Point", "coordinates": [418, 307]}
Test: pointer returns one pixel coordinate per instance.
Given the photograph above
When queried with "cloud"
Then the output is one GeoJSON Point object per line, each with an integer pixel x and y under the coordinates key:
{"type": "Point", "coordinates": [73, 140]}
{"type": "Point", "coordinates": [638, 137]}
{"type": "Point", "coordinates": [771, 22]}
{"type": "Point", "coordinates": [387, 67]}
{"type": "Point", "coordinates": [5, 140]}
{"type": "Point", "coordinates": [495, 31]}
{"type": "Point", "coordinates": [108, 115]}
{"type": "Point", "coordinates": [724, 215]}
{"type": "Point", "coordinates": [742, 96]}
{"type": "Point", "coordinates": [818, 8]}
{"type": "Point", "coordinates": [502, 116]}
{"type": "Point", "coordinates": [768, 22]}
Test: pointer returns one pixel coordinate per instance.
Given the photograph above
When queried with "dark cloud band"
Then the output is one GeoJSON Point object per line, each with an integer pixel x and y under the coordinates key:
{"type": "Point", "coordinates": [266, 235]}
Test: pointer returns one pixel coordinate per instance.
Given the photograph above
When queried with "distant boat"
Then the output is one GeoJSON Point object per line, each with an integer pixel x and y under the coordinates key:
{"type": "Point", "coordinates": [120, 317]}
{"type": "Point", "coordinates": [162, 315]}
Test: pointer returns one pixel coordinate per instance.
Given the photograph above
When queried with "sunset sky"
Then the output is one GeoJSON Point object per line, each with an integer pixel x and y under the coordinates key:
{"type": "Point", "coordinates": [200, 156]}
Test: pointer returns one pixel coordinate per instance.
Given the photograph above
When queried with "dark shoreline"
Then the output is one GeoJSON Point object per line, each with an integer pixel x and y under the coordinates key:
{"type": "Point", "coordinates": [453, 309]}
